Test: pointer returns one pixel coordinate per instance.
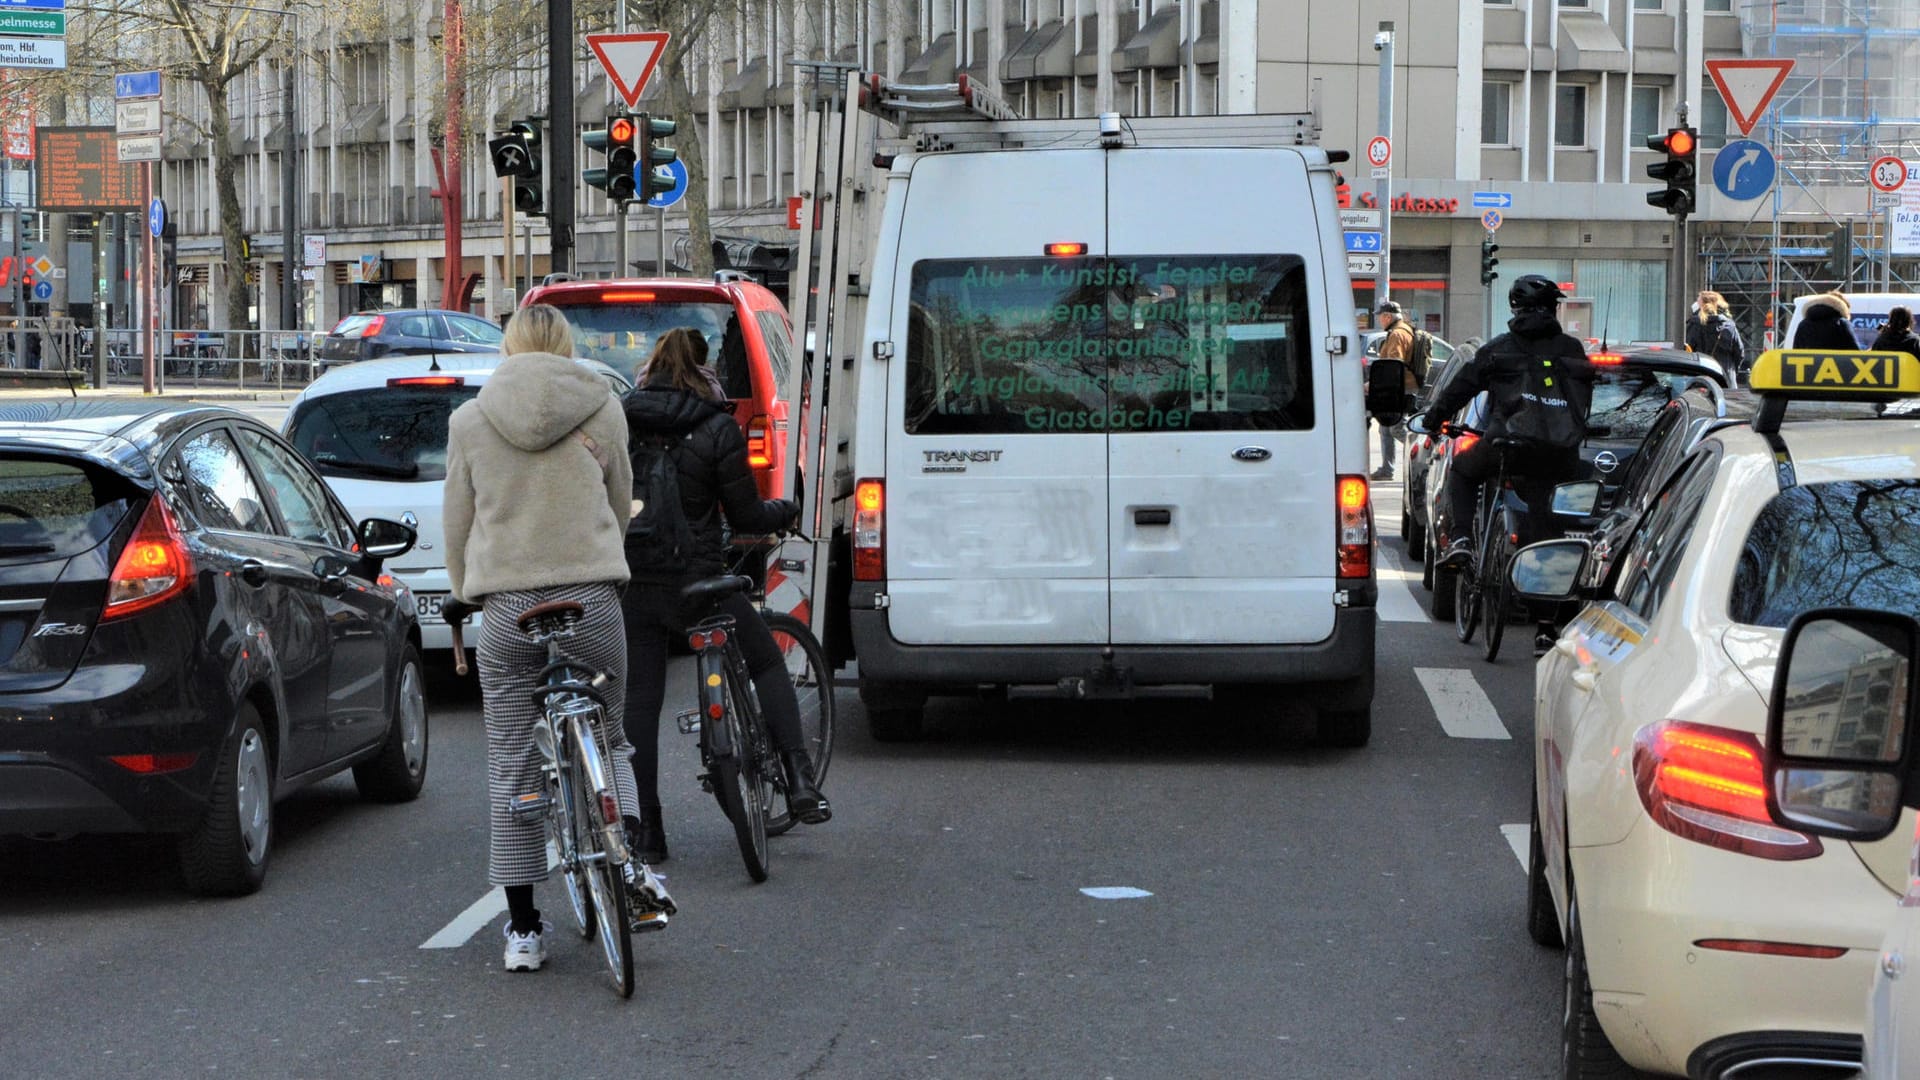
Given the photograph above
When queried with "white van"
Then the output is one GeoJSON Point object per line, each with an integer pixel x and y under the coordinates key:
{"type": "Point", "coordinates": [1123, 450]}
{"type": "Point", "coordinates": [1869, 314]}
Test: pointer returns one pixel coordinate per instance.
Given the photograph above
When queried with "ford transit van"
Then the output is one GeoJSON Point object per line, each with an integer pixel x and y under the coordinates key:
{"type": "Point", "coordinates": [1111, 441]}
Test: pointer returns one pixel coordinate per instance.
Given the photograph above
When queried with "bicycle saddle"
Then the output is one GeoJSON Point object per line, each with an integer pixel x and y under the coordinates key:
{"type": "Point", "coordinates": [715, 589]}
{"type": "Point", "coordinates": [562, 609]}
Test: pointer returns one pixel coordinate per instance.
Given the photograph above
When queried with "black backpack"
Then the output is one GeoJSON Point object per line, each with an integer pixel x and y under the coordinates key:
{"type": "Point", "coordinates": [1388, 397]}
{"type": "Point", "coordinates": [659, 539]}
{"type": "Point", "coordinates": [1421, 360]}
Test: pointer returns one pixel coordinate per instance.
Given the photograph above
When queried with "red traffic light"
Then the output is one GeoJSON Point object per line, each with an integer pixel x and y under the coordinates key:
{"type": "Point", "coordinates": [620, 130]}
{"type": "Point", "coordinates": [1680, 142]}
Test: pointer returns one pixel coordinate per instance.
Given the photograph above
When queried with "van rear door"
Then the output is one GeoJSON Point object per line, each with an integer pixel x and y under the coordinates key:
{"type": "Point", "coordinates": [1221, 453]}
{"type": "Point", "coordinates": [996, 487]}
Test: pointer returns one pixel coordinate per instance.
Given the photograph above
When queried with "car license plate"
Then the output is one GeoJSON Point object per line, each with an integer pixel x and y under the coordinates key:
{"type": "Point", "coordinates": [429, 605]}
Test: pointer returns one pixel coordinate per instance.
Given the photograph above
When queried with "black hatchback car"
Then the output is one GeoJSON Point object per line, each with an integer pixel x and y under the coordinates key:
{"type": "Point", "coordinates": [191, 626]}
{"type": "Point", "coordinates": [364, 335]}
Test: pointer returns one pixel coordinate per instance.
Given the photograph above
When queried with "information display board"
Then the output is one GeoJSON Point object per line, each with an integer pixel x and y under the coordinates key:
{"type": "Point", "coordinates": [81, 172]}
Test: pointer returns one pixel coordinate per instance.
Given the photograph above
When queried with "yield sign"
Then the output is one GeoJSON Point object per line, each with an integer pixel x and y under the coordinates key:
{"type": "Point", "coordinates": [629, 59]}
{"type": "Point", "coordinates": [1747, 86]}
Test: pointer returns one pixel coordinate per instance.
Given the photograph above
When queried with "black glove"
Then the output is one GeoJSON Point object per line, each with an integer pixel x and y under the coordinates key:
{"type": "Point", "coordinates": [457, 612]}
{"type": "Point", "coordinates": [789, 512]}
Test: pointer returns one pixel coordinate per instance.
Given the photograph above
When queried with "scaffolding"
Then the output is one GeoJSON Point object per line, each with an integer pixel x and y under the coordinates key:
{"type": "Point", "coordinates": [1853, 95]}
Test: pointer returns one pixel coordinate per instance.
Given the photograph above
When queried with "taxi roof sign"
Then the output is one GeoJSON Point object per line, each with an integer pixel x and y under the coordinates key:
{"type": "Point", "coordinates": [1783, 375]}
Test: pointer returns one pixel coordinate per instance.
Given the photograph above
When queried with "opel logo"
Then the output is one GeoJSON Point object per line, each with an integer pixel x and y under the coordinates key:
{"type": "Point", "coordinates": [1606, 461]}
{"type": "Point", "coordinates": [1252, 453]}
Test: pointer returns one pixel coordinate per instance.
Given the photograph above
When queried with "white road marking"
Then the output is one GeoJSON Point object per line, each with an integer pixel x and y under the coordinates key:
{"type": "Point", "coordinates": [1463, 708]}
{"type": "Point", "coordinates": [478, 914]}
{"type": "Point", "coordinates": [1115, 892]}
{"type": "Point", "coordinates": [1397, 602]}
{"type": "Point", "coordinates": [1517, 839]}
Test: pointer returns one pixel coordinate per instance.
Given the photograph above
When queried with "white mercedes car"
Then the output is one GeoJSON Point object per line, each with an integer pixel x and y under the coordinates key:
{"type": "Point", "coordinates": [377, 431]}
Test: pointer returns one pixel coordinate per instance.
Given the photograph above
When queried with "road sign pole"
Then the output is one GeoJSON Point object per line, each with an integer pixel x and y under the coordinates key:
{"type": "Point", "coordinates": [619, 238]}
{"type": "Point", "coordinates": [660, 223]}
{"type": "Point", "coordinates": [148, 320]}
{"type": "Point", "coordinates": [1490, 289]}
{"type": "Point", "coordinates": [1384, 290]}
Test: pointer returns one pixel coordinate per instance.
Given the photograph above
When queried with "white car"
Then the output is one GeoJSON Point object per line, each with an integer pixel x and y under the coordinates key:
{"type": "Point", "coordinates": [377, 431]}
{"type": "Point", "coordinates": [1703, 939]}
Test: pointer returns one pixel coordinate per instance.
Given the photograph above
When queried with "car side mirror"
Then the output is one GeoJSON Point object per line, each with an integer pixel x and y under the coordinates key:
{"type": "Point", "coordinates": [1417, 424]}
{"type": "Point", "coordinates": [1839, 724]}
{"type": "Point", "coordinates": [1577, 499]}
{"type": "Point", "coordinates": [382, 539]}
{"type": "Point", "coordinates": [1550, 570]}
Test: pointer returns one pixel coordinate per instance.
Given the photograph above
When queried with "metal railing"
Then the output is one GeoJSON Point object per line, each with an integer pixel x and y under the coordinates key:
{"type": "Point", "coordinates": [192, 357]}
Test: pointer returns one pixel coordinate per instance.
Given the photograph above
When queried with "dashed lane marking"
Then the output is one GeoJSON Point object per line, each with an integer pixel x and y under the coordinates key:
{"type": "Point", "coordinates": [1463, 708]}
{"type": "Point", "coordinates": [1517, 839]}
{"type": "Point", "coordinates": [1397, 601]}
{"type": "Point", "coordinates": [478, 914]}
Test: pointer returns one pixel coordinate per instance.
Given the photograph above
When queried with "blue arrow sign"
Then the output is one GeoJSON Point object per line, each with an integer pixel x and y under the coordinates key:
{"type": "Point", "coordinates": [156, 217]}
{"type": "Point", "coordinates": [43, 290]}
{"type": "Point", "coordinates": [1492, 200]}
{"type": "Point", "coordinates": [1363, 241]}
{"type": "Point", "coordinates": [136, 84]}
{"type": "Point", "coordinates": [673, 194]}
{"type": "Point", "coordinates": [33, 5]}
{"type": "Point", "coordinates": [1743, 170]}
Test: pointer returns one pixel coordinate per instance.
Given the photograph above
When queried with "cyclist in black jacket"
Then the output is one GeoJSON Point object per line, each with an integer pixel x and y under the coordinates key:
{"type": "Point", "coordinates": [678, 396]}
{"type": "Point", "coordinates": [1540, 389]}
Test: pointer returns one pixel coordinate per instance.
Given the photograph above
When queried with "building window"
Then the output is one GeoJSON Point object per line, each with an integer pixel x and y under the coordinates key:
{"type": "Point", "coordinates": [1720, 5]}
{"type": "Point", "coordinates": [1649, 5]}
{"type": "Point", "coordinates": [1646, 116]}
{"type": "Point", "coordinates": [1570, 116]}
{"type": "Point", "coordinates": [1583, 5]}
{"type": "Point", "coordinates": [1712, 122]}
{"type": "Point", "coordinates": [1496, 114]}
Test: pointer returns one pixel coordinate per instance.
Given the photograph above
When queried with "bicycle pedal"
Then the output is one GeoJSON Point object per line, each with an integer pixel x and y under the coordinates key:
{"type": "Point", "coordinates": [688, 722]}
{"type": "Point", "coordinates": [528, 805]}
{"type": "Point", "coordinates": [647, 922]}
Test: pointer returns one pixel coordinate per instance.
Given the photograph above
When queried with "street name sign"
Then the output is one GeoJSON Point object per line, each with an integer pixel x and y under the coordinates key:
{"type": "Point", "coordinates": [629, 59]}
{"type": "Point", "coordinates": [33, 34]}
{"type": "Point", "coordinates": [138, 121]}
{"type": "Point", "coordinates": [1363, 266]}
{"type": "Point", "coordinates": [1362, 219]}
{"type": "Point", "coordinates": [139, 116]}
{"type": "Point", "coordinates": [1747, 86]}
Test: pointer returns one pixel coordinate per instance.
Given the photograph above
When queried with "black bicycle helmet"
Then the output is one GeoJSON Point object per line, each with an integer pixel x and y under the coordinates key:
{"type": "Point", "coordinates": [1532, 292]}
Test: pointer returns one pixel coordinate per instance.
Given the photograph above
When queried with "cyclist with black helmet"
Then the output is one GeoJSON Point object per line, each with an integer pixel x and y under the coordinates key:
{"type": "Point", "coordinates": [1539, 390]}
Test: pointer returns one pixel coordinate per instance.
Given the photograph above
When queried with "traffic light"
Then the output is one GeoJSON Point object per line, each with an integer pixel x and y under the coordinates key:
{"type": "Point", "coordinates": [617, 142]}
{"type": "Point", "coordinates": [653, 176]}
{"type": "Point", "coordinates": [517, 154]}
{"type": "Point", "coordinates": [1487, 261]}
{"type": "Point", "coordinates": [1681, 145]}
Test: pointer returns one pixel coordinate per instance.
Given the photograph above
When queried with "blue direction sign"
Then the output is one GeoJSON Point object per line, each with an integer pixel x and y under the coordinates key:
{"type": "Point", "coordinates": [1492, 200]}
{"type": "Point", "coordinates": [136, 84]}
{"type": "Point", "coordinates": [33, 5]}
{"type": "Point", "coordinates": [156, 217]}
{"type": "Point", "coordinates": [43, 290]}
{"type": "Point", "coordinates": [1363, 241]}
{"type": "Point", "coordinates": [1743, 170]}
{"type": "Point", "coordinates": [673, 194]}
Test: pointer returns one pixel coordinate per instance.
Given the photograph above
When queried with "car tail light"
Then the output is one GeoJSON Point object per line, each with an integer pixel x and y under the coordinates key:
{"type": "Point", "coordinates": [869, 531]}
{"type": "Point", "coordinates": [1355, 523]}
{"type": "Point", "coordinates": [151, 764]}
{"type": "Point", "coordinates": [374, 326]}
{"type": "Point", "coordinates": [1607, 359]}
{"type": "Point", "coordinates": [429, 380]}
{"type": "Point", "coordinates": [1774, 948]}
{"type": "Point", "coordinates": [759, 445]}
{"type": "Point", "coordinates": [626, 296]}
{"type": "Point", "coordinates": [1709, 785]}
{"type": "Point", "coordinates": [1464, 443]}
{"type": "Point", "coordinates": [154, 566]}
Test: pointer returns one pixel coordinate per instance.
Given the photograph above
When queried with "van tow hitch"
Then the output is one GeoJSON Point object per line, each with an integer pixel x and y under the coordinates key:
{"type": "Point", "coordinates": [1106, 681]}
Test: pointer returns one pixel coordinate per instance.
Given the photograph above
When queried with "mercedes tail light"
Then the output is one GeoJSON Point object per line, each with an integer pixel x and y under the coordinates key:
{"type": "Point", "coordinates": [154, 566]}
{"type": "Point", "coordinates": [869, 531]}
{"type": "Point", "coordinates": [1709, 785]}
{"type": "Point", "coordinates": [1355, 524]}
{"type": "Point", "coordinates": [759, 443]}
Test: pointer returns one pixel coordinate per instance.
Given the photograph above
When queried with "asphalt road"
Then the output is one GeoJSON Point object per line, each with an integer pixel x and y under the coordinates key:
{"type": "Point", "coordinates": [1312, 913]}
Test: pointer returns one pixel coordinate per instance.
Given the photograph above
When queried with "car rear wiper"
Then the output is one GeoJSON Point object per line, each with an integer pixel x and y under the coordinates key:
{"type": "Point", "coordinates": [25, 549]}
{"type": "Point", "coordinates": [369, 468]}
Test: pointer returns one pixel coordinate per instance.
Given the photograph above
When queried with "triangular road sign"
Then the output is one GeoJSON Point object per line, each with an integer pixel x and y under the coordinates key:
{"type": "Point", "coordinates": [629, 59]}
{"type": "Point", "coordinates": [1747, 86]}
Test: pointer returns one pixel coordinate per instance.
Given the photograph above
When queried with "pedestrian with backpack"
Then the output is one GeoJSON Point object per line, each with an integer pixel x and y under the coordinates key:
{"type": "Point", "coordinates": [535, 510]}
{"type": "Point", "coordinates": [1394, 377]}
{"type": "Point", "coordinates": [690, 478]}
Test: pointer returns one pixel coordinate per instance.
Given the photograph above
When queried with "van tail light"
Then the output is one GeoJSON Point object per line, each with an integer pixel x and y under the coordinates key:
{"type": "Point", "coordinates": [1355, 523]}
{"type": "Point", "coordinates": [869, 531]}
{"type": "Point", "coordinates": [1709, 785]}
{"type": "Point", "coordinates": [759, 443]}
{"type": "Point", "coordinates": [154, 566]}
{"type": "Point", "coordinates": [374, 326]}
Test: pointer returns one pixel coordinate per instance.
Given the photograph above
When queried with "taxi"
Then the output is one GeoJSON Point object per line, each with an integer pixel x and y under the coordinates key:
{"type": "Point", "coordinates": [1702, 938]}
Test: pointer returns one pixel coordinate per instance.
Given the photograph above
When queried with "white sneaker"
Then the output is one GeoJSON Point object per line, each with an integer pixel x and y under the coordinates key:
{"type": "Point", "coordinates": [527, 952]}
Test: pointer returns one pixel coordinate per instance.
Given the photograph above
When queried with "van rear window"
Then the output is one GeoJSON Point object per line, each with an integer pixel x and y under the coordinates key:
{"type": "Point", "coordinates": [1122, 344]}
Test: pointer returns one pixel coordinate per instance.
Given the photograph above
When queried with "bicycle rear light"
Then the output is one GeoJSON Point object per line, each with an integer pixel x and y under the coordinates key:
{"type": "Point", "coordinates": [869, 531]}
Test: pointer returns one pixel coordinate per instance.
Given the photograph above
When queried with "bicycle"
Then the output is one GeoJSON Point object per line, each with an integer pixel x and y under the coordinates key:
{"type": "Point", "coordinates": [742, 767]}
{"type": "Point", "coordinates": [1481, 590]}
{"type": "Point", "coordinates": [577, 799]}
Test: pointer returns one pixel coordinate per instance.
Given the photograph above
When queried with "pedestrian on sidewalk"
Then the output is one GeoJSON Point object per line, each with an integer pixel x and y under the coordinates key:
{"type": "Point", "coordinates": [537, 499]}
{"type": "Point", "coordinates": [1712, 333]}
{"type": "Point", "coordinates": [1398, 345]}
{"type": "Point", "coordinates": [1898, 335]}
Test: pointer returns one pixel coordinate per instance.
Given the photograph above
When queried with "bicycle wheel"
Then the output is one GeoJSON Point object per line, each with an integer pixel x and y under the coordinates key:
{"type": "Point", "coordinates": [1466, 602]}
{"type": "Point", "coordinates": [738, 785]}
{"type": "Point", "coordinates": [563, 831]}
{"type": "Point", "coordinates": [1499, 609]}
{"type": "Point", "coordinates": [813, 685]}
{"type": "Point", "coordinates": [603, 876]}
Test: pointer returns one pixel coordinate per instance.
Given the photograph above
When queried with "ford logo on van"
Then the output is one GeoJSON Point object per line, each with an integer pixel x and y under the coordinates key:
{"type": "Point", "coordinates": [1252, 453]}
